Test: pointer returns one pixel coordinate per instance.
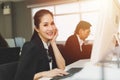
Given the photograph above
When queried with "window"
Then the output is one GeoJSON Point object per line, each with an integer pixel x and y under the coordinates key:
{"type": "Point", "coordinates": [66, 25]}
{"type": "Point", "coordinates": [67, 8]}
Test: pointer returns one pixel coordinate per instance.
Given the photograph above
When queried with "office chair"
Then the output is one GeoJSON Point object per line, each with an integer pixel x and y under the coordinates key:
{"type": "Point", "coordinates": [8, 55]}
{"type": "Point", "coordinates": [19, 41]}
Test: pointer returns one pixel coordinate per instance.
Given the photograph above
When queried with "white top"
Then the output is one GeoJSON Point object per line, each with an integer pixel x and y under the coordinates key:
{"type": "Point", "coordinates": [80, 42]}
{"type": "Point", "coordinates": [46, 47]}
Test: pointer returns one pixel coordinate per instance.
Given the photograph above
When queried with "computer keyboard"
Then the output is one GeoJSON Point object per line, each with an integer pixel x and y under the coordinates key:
{"type": "Point", "coordinates": [71, 72]}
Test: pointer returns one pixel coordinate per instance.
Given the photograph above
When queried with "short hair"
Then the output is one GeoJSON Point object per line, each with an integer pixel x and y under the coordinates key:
{"type": "Point", "coordinates": [82, 25]}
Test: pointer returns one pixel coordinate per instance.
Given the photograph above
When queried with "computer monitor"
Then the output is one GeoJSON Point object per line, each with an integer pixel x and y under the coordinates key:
{"type": "Point", "coordinates": [108, 25]}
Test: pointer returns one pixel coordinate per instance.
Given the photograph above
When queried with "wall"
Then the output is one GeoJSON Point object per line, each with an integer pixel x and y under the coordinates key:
{"type": "Point", "coordinates": [22, 20]}
{"type": "Point", "coordinates": [18, 23]}
{"type": "Point", "coordinates": [6, 22]}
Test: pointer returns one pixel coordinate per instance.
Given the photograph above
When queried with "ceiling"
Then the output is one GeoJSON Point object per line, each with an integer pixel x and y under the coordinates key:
{"type": "Point", "coordinates": [11, 1]}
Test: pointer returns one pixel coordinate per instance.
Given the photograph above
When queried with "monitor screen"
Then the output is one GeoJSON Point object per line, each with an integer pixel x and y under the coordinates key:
{"type": "Point", "coordinates": [108, 25]}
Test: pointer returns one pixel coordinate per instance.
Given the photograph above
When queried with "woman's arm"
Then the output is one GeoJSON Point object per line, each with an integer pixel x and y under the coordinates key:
{"type": "Point", "coordinates": [27, 63]}
{"type": "Point", "coordinates": [58, 57]}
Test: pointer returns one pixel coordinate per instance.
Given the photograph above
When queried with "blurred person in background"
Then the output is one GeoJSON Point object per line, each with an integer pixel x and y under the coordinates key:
{"type": "Point", "coordinates": [76, 46]}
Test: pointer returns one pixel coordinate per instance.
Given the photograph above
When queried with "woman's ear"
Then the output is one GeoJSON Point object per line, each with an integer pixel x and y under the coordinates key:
{"type": "Point", "coordinates": [36, 29]}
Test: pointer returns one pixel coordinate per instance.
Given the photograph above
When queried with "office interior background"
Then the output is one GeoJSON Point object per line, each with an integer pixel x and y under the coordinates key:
{"type": "Point", "coordinates": [16, 20]}
{"type": "Point", "coordinates": [19, 23]}
{"type": "Point", "coordinates": [104, 15]}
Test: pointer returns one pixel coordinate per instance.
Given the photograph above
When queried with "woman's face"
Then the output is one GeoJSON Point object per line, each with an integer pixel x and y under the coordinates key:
{"type": "Point", "coordinates": [47, 28]}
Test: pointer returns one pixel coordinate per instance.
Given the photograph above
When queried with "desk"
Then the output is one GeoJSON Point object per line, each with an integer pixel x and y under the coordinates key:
{"type": "Point", "coordinates": [96, 72]}
{"type": "Point", "coordinates": [80, 63]}
{"type": "Point", "coordinates": [92, 72]}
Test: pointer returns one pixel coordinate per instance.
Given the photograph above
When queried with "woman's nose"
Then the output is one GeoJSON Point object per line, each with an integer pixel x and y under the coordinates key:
{"type": "Point", "coordinates": [51, 27]}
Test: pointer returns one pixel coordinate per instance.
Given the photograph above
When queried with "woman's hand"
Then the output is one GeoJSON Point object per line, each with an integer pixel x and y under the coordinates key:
{"type": "Point", "coordinates": [55, 35]}
{"type": "Point", "coordinates": [50, 74]}
{"type": "Point", "coordinates": [55, 72]}
{"type": "Point", "coordinates": [58, 56]}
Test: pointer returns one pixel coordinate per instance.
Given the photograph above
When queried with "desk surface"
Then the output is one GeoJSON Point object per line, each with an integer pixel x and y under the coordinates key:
{"type": "Point", "coordinates": [80, 63]}
{"type": "Point", "coordinates": [93, 72]}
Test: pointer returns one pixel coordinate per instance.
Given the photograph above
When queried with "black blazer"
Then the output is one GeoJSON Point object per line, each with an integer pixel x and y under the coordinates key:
{"type": "Point", "coordinates": [33, 60]}
{"type": "Point", "coordinates": [72, 50]}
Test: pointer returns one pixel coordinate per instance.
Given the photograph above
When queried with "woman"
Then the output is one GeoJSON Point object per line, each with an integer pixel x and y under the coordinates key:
{"type": "Point", "coordinates": [35, 62]}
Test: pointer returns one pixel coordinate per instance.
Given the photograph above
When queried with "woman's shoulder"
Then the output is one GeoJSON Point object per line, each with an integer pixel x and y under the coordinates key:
{"type": "Point", "coordinates": [28, 46]}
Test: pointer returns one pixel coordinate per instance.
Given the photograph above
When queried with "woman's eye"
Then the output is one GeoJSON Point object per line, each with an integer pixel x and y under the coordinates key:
{"type": "Point", "coordinates": [45, 24]}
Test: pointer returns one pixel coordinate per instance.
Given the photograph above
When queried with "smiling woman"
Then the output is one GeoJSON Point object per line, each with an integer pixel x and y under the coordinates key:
{"type": "Point", "coordinates": [34, 62]}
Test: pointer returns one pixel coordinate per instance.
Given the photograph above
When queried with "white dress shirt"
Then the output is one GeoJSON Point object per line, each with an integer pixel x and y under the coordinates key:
{"type": "Point", "coordinates": [80, 42]}
{"type": "Point", "coordinates": [46, 47]}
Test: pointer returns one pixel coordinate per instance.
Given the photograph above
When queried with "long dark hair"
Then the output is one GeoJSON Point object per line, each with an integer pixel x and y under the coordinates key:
{"type": "Point", "coordinates": [37, 19]}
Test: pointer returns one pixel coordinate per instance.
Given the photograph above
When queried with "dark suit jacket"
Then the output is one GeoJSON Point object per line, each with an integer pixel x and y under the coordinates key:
{"type": "Point", "coordinates": [72, 51]}
{"type": "Point", "coordinates": [8, 70]}
{"type": "Point", "coordinates": [33, 60]}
